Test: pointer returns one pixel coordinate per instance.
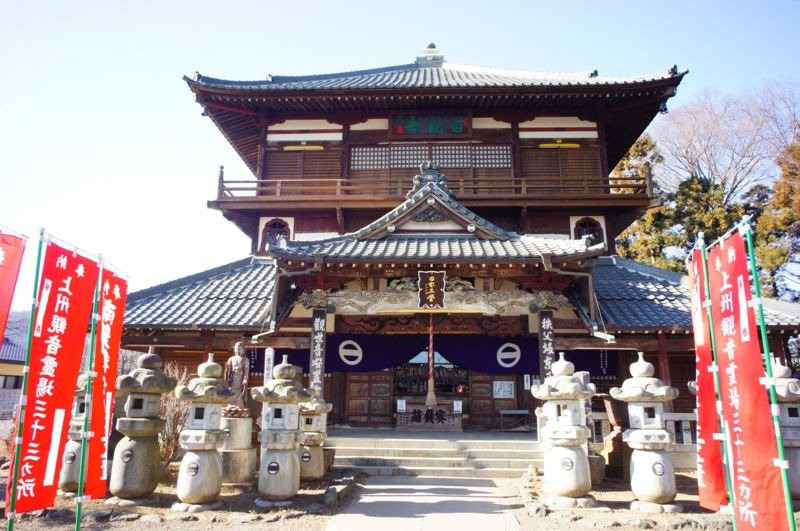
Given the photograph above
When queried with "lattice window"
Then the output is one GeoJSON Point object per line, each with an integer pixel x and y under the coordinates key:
{"type": "Point", "coordinates": [369, 157]}
{"type": "Point", "coordinates": [588, 227]}
{"type": "Point", "coordinates": [452, 155]}
{"type": "Point", "coordinates": [492, 156]}
{"type": "Point", "coordinates": [408, 156]}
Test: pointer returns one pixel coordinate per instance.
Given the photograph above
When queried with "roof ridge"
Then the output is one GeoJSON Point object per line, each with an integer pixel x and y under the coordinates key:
{"type": "Point", "coordinates": [665, 275]}
{"type": "Point", "coordinates": [166, 286]}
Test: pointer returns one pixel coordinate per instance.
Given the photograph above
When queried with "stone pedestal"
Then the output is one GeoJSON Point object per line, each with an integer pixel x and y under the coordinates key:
{"type": "Point", "coordinates": [279, 473]}
{"type": "Point", "coordinates": [200, 474]}
{"type": "Point", "coordinates": [567, 479]}
{"type": "Point", "coordinates": [652, 474]}
{"type": "Point", "coordinates": [71, 459]}
{"type": "Point", "coordinates": [136, 468]}
{"type": "Point", "coordinates": [238, 456]}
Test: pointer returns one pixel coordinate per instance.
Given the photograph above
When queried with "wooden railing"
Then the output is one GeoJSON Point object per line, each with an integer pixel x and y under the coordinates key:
{"type": "Point", "coordinates": [397, 188]}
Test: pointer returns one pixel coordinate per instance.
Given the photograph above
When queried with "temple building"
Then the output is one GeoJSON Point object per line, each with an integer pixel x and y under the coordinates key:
{"type": "Point", "coordinates": [431, 202]}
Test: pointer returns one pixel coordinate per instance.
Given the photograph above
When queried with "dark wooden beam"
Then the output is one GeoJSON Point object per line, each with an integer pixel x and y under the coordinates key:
{"type": "Point", "coordinates": [261, 164]}
{"type": "Point", "coordinates": [663, 366]}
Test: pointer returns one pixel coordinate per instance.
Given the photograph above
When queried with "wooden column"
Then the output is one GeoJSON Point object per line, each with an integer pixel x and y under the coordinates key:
{"type": "Point", "coordinates": [344, 170]}
{"type": "Point", "coordinates": [261, 164]}
{"type": "Point", "coordinates": [663, 367]}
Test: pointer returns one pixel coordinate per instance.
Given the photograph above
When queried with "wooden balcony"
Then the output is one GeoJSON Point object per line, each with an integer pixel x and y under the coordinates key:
{"type": "Point", "coordinates": [387, 193]}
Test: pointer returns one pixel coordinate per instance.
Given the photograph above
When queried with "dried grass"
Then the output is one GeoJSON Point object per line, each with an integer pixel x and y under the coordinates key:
{"type": "Point", "coordinates": [174, 412]}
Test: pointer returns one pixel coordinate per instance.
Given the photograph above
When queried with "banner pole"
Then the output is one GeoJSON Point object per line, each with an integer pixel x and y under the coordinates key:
{"type": "Point", "coordinates": [12, 503]}
{"type": "Point", "coordinates": [773, 398]}
{"type": "Point", "coordinates": [717, 392]}
{"type": "Point", "coordinates": [87, 398]}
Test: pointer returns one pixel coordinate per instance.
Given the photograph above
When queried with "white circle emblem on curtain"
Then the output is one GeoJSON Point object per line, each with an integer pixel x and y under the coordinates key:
{"type": "Point", "coordinates": [350, 352]}
{"type": "Point", "coordinates": [508, 355]}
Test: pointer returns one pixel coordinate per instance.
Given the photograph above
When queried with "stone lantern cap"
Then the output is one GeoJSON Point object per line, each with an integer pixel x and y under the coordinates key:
{"type": "Point", "coordinates": [564, 384]}
{"type": "Point", "coordinates": [284, 386]}
{"type": "Point", "coordinates": [147, 377]}
{"type": "Point", "coordinates": [208, 386]}
{"type": "Point", "coordinates": [786, 387]}
{"type": "Point", "coordinates": [643, 387]}
{"type": "Point", "coordinates": [315, 406]}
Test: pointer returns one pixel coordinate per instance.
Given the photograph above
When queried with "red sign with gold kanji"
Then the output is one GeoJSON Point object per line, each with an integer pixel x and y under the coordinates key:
{"type": "Point", "coordinates": [66, 291]}
{"type": "Point", "coordinates": [431, 289]}
{"type": "Point", "coordinates": [756, 480]}
{"type": "Point", "coordinates": [710, 477]}
{"type": "Point", "coordinates": [11, 249]}
{"type": "Point", "coordinates": [113, 292]}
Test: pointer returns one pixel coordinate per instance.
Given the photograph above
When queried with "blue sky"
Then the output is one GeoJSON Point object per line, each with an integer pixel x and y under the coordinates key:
{"type": "Point", "coordinates": [102, 143]}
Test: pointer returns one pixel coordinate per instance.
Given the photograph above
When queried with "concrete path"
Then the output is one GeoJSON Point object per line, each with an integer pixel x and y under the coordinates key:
{"type": "Point", "coordinates": [431, 503]}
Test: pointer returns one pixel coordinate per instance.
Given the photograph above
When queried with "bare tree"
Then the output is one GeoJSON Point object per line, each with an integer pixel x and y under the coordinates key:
{"type": "Point", "coordinates": [726, 140]}
{"type": "Point", "coordinates": [174, 412]}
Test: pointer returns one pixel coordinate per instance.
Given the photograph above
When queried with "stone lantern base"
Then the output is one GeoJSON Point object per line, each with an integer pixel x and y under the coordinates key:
{"type": "Point", "coordinates": [566, 472]}
{"type": "Point", "coordinates": [196, 507]}
{"type": "Point", "coordinates": [653, 477]}
{"type": "Point", "coordinates": [312, 462]}
{"type": "Point", "coordinates": [279, 476]}
{"type": "Point", "coordinates": [649, 507]}
{"type": "Point", "coordinates": [199, 477]}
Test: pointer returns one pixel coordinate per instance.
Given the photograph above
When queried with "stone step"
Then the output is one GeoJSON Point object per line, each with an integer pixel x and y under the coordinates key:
{"type": "Point", "coordinates": [432, 462]}
{"type": "Point", "coordinates": [442, 472]}
{"type": "Point", "coordinates": [438, 452]}
{"type": "Point", "coordinates": [454, 443]}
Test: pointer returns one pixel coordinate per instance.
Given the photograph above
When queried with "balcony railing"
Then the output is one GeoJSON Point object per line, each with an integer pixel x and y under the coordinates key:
{"type": "Point", "coordinates": [485, 187]}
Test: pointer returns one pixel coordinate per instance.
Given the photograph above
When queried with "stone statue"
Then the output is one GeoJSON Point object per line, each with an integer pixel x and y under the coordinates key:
{"type": "Point", "coordinates": [237, 374]}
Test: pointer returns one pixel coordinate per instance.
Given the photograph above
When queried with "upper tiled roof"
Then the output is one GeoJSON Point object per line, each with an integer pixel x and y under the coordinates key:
{"type": "Point", "coordinates": [233, 296]}
{"type": "Point", "coordinates": [637, 296]}
{"type": "Point", "coordinates": [440, 75]}
{"type": "Point", "coordinates": [15, 339]}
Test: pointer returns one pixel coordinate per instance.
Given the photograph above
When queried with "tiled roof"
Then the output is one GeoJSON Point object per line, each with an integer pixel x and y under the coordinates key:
{"type": "Point", "coordinates": [440, 75]}
{"type": "Point", "coordinates": [485, 241]}
{"type": "Point", "coordinates": [450, 248]}
{"type": "Point", "coordinates": [233, 296]}
{"type": "Point", "coordinates": [632, 295]}
{"type": "Point", "coordinates": [15, 339]}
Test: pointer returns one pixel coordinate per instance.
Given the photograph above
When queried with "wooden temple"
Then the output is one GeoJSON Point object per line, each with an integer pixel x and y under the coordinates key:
{"type": "Point", "coordinates": [498, 180]}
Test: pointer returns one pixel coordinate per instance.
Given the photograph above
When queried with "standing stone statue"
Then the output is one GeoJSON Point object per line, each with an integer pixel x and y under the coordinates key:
{"type": "Point", "coordinates": [238, 455]}
{"type": "Point", "coordinates": [237, 374]}
{"type": "Point", "coordinates": [136, 468]}
{"type": "Point", "coordinates": [567, 479]}
{"type": "Point", "coordinates": [200, 474]}
{"type": "Point", "coordinates": [70, 468]}
{"type": "Point", "coordinates": [652, 474]}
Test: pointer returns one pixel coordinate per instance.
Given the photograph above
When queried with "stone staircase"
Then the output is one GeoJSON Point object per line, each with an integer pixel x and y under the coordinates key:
{"type": "Point", "coordinates": [466, 454]}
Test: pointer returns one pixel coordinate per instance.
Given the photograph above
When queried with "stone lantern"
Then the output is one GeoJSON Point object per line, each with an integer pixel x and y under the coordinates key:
{"type": "Point", "coordinates": [70, 468]}
{"type": "Point", "coordinates": [200, 474]}
{"type": "Point", "coordinates": [788, 391]}
{"type": "Point", "coordinates": [279, 474]}
{"type": "Point", "coordinates": [652, 475]}
{"type": "Point", "coordinates": [136, 467]}
{"type": "Point", "coordinates": [314, 423]}
{"type": "Point", "coordinates": [567, 478]}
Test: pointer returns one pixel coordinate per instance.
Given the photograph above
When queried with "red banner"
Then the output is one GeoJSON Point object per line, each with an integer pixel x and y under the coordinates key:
{"type": "Point", "coordinates": [756, 480]}
{"type": "Point", "coordinates": [710, 477]}
{"type": "Point", "coordinates": [113, 291]}
{"type": "Point", "coordinates": [66, 290]}
{"type": "Point", "coordinates": [11, 249]}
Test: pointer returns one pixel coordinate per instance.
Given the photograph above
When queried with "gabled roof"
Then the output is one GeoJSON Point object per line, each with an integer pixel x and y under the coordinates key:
{"type": "Point", "coordinates": [238, 107]}
{"type": "Point", "coordinates": [233, 296]}
{"type": "Point", "coordinates": [475, 238]}
{"type": "Point", "coordinates": [634, 296]}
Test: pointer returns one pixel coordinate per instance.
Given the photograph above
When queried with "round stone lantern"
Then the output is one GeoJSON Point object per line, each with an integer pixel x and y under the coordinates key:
{"type": "Point", "coordinates": [314, 423]}
{"type": "Point", "coordinates": [279, 474]}
{"type": "Point", "coordinates": [135, 472]}
{"type": "Point", "coordinates": [788, 391]}
{"type": "Point", "coordinates": [652, 474]}
{"type": "Point", "coordinates": [567, 479]}
{"type": "Point", "coordinates": [200, 473]}
{"type": "Point", "coordinates": [70, 468]}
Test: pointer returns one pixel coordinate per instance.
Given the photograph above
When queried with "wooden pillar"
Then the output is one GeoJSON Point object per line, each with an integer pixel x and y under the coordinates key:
{"type": "Point", "coordinates": [261, 164]}
{"type": "Point", "coordinates": [778, 346]}
{"type": "Point", "coordinates": [344, 169]}
{"type": "Point", "coordinates": [663, 367]}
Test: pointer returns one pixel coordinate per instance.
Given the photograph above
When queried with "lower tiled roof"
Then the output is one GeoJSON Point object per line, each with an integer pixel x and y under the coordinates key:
{"type": "Point", "coordinates": [233, 296]}
{"type": "Point", "coordinates": [632, 295]}
{"type": "Point", "coordinates": [15, 340]}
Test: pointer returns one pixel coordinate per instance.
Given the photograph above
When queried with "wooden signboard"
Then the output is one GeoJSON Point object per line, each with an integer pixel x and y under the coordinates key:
{"type": "Point", "coordinates": [431, 289]}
